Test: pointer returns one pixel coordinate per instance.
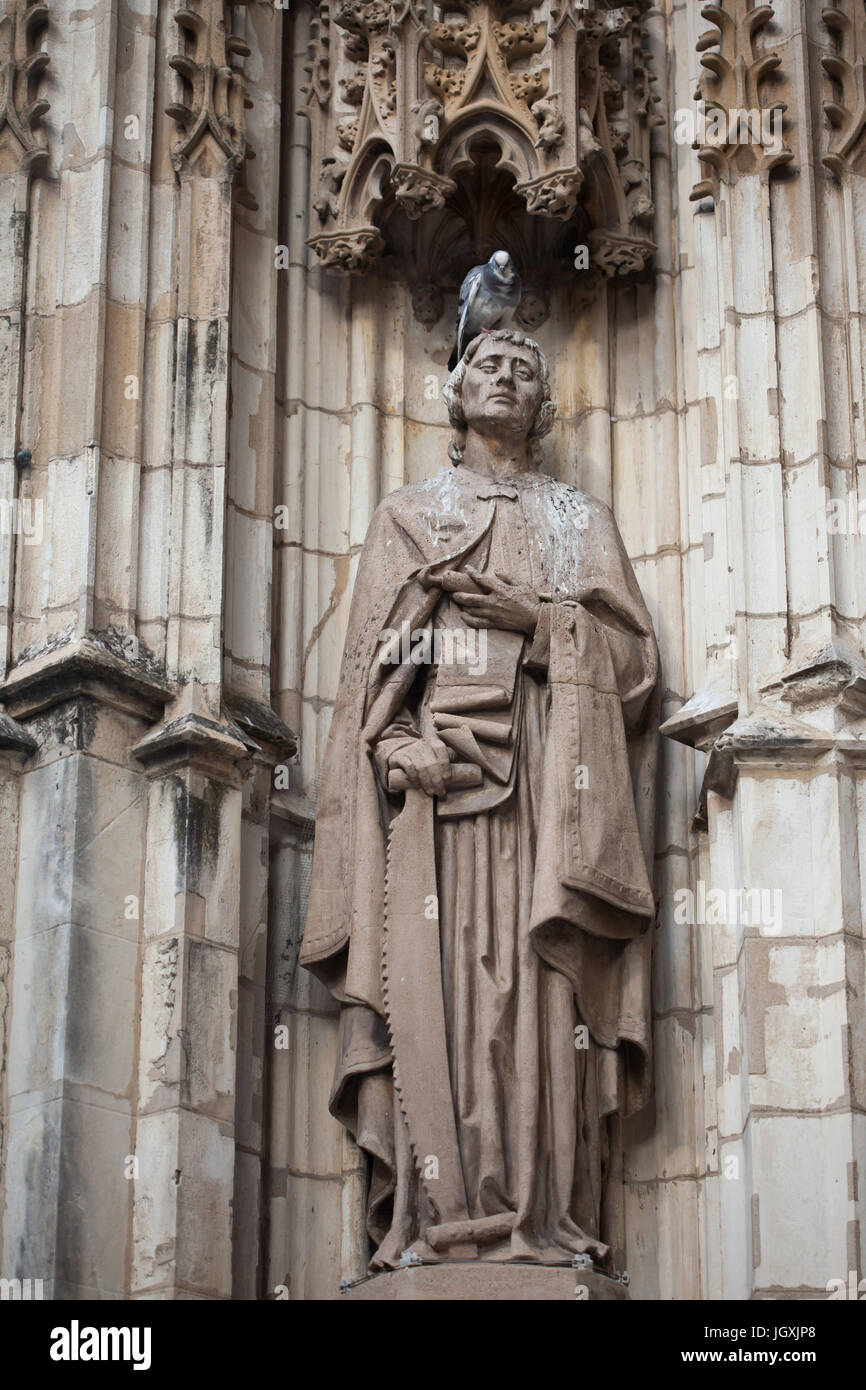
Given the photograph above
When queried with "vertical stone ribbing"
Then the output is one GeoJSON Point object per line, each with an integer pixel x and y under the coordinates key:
{"type": "Point", "coordinates": [776, 301]}
{"type": "Point", "coordinates": [186, 1087]}
{"type": "Point", "coordinates": [22, 153]}
{"type": "Point", "coordinates": [248, 631]}
{"type": "Point", "coordinates": [74, 992]}
{"type": "Point", "coordinates": [719, 405]}
{"type": "Point", "coordinates": [662, 1161]}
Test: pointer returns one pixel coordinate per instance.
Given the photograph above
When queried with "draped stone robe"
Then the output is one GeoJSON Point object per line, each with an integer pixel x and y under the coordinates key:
{"type": "Point", "coordinates": [542, 872]}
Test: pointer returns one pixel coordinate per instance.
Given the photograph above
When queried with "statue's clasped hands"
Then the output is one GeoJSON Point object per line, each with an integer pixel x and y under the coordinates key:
{"type": "Point", "coordinates": [426, 763]}
{"type": "Point", "coordinates": [495, 601]}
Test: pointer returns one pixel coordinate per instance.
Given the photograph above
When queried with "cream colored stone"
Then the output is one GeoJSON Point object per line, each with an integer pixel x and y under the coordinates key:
{"type": "Point", "coordinates": [803, 1205]}
{"type": "Point", "coordinates": [712, 403]}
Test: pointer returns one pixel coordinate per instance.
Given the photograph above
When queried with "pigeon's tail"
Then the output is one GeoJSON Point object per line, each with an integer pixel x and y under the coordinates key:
{"type": "Point", "coordinates": [454, 358]}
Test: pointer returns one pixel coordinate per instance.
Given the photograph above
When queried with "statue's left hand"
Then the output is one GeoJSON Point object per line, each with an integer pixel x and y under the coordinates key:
{"type": "Point", "coordinates": [496, 601]}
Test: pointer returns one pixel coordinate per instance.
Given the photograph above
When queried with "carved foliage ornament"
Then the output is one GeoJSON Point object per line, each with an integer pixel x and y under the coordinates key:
{"type": "Point", "coordinates": [209, 109]}
{"type": "Point", "coordinates": [400, 101]}
{"type": "Point", "coordinates": [846, 68]}
{"type": "Point", "coordinates": [741, 127]}
{"type": "Point", "coordinates": [22, 64]}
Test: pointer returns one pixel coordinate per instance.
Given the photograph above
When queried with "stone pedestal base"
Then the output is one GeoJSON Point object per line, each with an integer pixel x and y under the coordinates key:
{"type": "Point", "coordinates": [474, 1280]}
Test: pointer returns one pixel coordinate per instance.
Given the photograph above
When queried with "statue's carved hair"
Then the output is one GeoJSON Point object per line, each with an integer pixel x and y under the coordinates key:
{"type": "Point", "coordinates": [452, 391]}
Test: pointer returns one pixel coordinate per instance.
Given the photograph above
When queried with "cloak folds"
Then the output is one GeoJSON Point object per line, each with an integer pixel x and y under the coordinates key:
{"type": "Point", "coordinates": [591, 898]}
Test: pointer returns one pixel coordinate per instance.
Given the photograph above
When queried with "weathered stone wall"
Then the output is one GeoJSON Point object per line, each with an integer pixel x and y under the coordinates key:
{"type": "Point", "coordinates": [166, 393]}
{"type": "Point", "coordinates": [136, 925]}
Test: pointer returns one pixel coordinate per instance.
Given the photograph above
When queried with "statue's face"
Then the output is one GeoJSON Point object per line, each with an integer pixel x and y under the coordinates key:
{"type": "Point", "coordinates": [502, 389]}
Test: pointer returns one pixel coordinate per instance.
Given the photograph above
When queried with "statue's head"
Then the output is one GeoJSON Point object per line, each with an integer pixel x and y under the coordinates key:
{"type": "Point", "coordinates": [500, 387]}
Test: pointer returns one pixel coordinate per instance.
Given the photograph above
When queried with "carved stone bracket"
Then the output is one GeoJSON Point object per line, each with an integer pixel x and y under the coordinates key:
{"type": "Point", "coordinates": [419, 191]}
{"type": "Point", "coordinates": [736, 138]}
{"type": "Point", "coordinates": [553, 195]}
{"type": "Point", "coordinates": [404, 100]}
{"type": "Point", "coordinates": [22, 64]}
{"type": "Point", "coordinates": [534, 307]}
{"type": "Point", "coordinates": [427, 303]}
{"type": "Point", "coordinates": [210, 106]}
{"type": "Point", "coordinates": [616, 254]}
{"type": "Point", "coordinates": [349, 253]}
{"type": "Point", "coordinates": [846, 68]}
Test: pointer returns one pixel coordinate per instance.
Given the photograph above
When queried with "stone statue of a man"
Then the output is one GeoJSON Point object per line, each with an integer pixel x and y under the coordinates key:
{"type": "Point", "coordinates": [481, 900]}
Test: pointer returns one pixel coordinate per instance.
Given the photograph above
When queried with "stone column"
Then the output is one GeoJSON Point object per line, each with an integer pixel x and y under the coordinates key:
{"type": "Point", "coordinates": [15, 747]}
{"type": "Point", "coordinates": [75, 973]}
{"type": "Point", "coordinates": [777, 709]}
{"type": "Point", "coordinates": [260, 221]}
{"type": "Point", "coordinates": [21, 155]}
{"type": "Point", "coordinates": [186, 1088]}
{"type": "Point", "coordinates": [127, 735]}
{"type": "Point", "coordinates": [74, 678]}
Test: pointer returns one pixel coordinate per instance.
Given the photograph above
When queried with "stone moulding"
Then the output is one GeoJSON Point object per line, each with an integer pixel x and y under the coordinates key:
{"type": "Point", "coordinates": [734, 81]}
{"type": "Point", "coordinates": [258, 726]}
{"type": "Point", "coordinates": [767, 737]}
{"type": "Point", "coordinates": [400, 99]}
{"type": "Point", "coordinates": [191, 740]}
{"type": "Point", "coordinates": [846, 68]}
{"type": "Point", "coordinates": [470, 1281]}
{"type": "Point", "coordinates": [15, 739]}
{"type": "Point", "coordinates": [83, 667]}
{"type": "Point", "coordinates": [774, 733]}
{"type": "Point", "coordinates": [248, 728]}
{"type": "Point", "coordinates": [22, 64]}
{"type": "Point", "coordinates": [834, 676]}
{"type": "Point", "coordinates": [209, 109]}
{"type": "Point", "coordinates": [701, 723]}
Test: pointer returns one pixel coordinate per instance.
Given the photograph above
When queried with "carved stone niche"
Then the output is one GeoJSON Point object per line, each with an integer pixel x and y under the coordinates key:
{"type": "Point", "coordinates": [438, 133]}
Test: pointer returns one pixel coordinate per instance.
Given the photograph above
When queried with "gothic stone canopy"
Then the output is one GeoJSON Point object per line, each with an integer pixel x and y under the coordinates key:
{"type": "Point", "coordinates": [411, 107]}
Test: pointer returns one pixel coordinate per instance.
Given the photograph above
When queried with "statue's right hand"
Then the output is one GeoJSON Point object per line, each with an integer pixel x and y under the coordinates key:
{"type": "Point", "coordinates": [426, 763]}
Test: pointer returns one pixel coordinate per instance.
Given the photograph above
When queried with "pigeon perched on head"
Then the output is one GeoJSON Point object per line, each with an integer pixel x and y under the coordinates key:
{"type": "Point", "coordinates": [488, 297]}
